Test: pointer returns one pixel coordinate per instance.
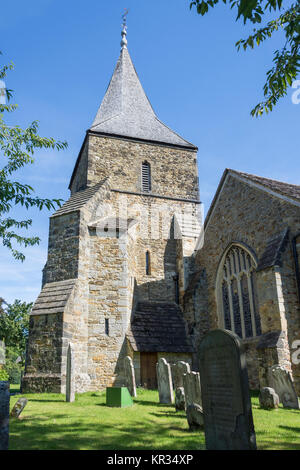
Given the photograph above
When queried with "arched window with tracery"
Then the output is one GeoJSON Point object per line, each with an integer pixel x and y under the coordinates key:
{"type": "Point", "coordinates": [236, 292]}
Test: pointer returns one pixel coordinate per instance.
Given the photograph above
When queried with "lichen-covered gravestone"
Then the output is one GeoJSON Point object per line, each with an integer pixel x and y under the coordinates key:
{"type": "Point", "coordinates": [194, 414]}
{"type": "Point", "coordinates": [283, 385]}
{"type": "Point", "coordinates": [268, 399]}
{"type": "Point", "coordinates": [179, 399]}
{"type": "Point", "coordinates": [70, 379]}
{"type": "Point", "coordinates": [129, 376]}
{"type": "Point", "coordinates": [164, 380]}
{"type": "Point", "coordinates": [4, 415]}
{"type": "Point", "coordinates": [18, 407]}
{"type": "Point", "coordinates": [228, 420]}
{"type": "Point", "coordinates": [192, 388]}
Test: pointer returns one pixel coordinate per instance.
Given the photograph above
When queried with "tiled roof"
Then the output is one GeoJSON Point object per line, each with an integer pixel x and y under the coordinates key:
{"type": "Point", "coordinates": [53, 297]}
{"type": "Point", "coordinates": [126, 110]}
{"type": "Point", "coordinates": [158, 327]}
{"type": "Point", "coordinates": [78, 200]}
{"type": "Point", "coordinates": [286, 189]}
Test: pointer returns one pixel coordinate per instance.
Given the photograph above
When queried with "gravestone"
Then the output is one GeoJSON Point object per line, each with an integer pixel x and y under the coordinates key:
{"type": "Point", "coordinates": [283, 385]}
{"type": "Point", "coordinates": [4, 415]}
{"type": "Point", "coordinates": [18, 407]}
{"type": "Point", "coordinates": [194, 414]}
{"type": "Point", "coordinates": [192, 388]}
{"type": "Point", "coordinates": [164, 380]}
{"type": "Point", "coordinates": [70, 380]}
{"type": "Point", "coordinates": [228, 420]}
{"type": "Point", "coordinates": [179, 399]}
{"type": "Point", "coordinates": [129, 376]}
{"type": "Point", "coordinates": [268, 399]}
{"type": "Point", "coordinates": [180, 368]}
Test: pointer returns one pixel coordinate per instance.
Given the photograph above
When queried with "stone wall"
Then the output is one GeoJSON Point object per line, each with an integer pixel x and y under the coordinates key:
{"type": "Point", "coordinates": [173, 170]}
{"type": "Point", "coordinates": [250, 216]}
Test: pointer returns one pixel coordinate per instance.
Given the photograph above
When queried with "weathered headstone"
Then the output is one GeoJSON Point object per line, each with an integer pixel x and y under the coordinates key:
{"type": "Point", "coordinates": [164, 380]}
{"type": "Point", "coordinates": [194, 414]}
{"type": "Point", "coordinates": [18, 407]}
{"type": "Point", "coordinates": [192, 388]}
{"type": "Point", "coordinates": [228, 420]}
{"type": "Point", "coordinates": [180, 368]}
{"type": "Point", "coordinates": [268, 399]}
{"type": "Point", "coordinates": [283, 385]}
{"type": "Point", "coordinates": [129, 376]}
{"type": "Point", "coordinates": [179, 399]}
{"type": "Point", "coordinates": [4, 415]}
{"type": "Point", "coordinates": [70, 380]}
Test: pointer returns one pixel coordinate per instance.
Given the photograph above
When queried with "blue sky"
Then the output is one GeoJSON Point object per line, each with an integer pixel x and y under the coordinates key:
{"type": "Point", "coordinates": [199, 85]}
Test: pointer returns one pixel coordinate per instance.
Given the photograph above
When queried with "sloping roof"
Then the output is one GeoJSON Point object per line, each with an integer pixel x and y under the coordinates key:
{"type": "Point", "coordinates": [158, 327]}
{"type": "Point", "coordinates": [126, 110]}
{"type": "Point", "coordinates": [78, 199]}
{"type": "Point", "coordinates": [53, 297]}
{"type": "Point", "coordinates": [286, 189]}
{"type": "Point", "coordinates": [274, 248]}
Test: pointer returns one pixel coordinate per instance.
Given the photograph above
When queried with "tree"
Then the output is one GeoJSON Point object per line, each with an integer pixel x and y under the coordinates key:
{"type": "Point", "coordinates": [286, 61]}
{"type": "Point", "coordinates": [14, 325]}
{"type": "Point", "coordinates": [17, 147]}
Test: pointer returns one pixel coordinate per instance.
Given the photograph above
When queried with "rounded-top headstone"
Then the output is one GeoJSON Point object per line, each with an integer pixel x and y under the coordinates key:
{"type": "Point", "coordinates": [226, 401]}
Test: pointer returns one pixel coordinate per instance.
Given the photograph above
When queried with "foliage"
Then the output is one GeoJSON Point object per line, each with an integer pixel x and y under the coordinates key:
{"type": "Point", "coordinates": [3, 374]}
{"type": "Point", "coordinates": [17, 147]}
{"type": "Point", "coordinates": [49, 423]}
{"type": "Point", "coordinates": [286, 61]}
{"type": "Point", "coordinates": [12, 366]}
{"type": "Point", "coordinates": [14, 324]}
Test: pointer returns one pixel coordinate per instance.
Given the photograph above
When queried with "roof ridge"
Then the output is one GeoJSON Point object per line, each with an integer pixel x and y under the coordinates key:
{"type": "Point", "coordinates": [262, 177]}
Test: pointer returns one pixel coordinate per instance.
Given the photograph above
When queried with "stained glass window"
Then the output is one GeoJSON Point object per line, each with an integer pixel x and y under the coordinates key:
{"type": "Point", "coordinates": [238, 300]}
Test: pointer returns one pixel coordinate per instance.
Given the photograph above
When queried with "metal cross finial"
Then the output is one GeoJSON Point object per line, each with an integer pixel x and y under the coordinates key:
{"type": "Point", "coordinates": [124, 29]}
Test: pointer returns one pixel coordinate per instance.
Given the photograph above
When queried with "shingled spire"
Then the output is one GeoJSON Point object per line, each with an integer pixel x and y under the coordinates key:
{"type": "Point", "coordinates": [126, 110]}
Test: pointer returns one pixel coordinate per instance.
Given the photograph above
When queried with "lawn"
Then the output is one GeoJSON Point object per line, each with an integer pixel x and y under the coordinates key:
{"type": "Point", "coordinates": [49, 423]}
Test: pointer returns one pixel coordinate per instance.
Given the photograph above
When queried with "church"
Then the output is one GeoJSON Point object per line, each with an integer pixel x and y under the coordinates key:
{"type": "Point", "coordinates": [132, 269]}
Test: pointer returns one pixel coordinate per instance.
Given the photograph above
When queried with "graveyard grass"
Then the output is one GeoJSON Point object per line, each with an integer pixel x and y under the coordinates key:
{"type": "Point", "coordinates": [49, 423]}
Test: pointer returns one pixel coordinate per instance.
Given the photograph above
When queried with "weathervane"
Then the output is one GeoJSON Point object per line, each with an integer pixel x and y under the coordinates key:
{"type": "Point", "coordinates": [124, 29]}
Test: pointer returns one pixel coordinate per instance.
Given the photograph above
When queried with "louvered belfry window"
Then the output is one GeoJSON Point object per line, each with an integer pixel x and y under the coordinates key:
{"type": "Point", "coordinates": [146, 177]}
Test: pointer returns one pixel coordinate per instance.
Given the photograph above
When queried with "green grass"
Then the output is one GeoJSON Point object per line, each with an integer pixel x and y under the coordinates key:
{"type": "Point", "coordinates": [48, 423]}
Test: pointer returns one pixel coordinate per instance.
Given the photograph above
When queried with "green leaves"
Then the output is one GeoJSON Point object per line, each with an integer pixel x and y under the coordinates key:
{"type": "Point", "coordinates": [286, 61]}
{"type": "Point", "coordinates": [17, 147]}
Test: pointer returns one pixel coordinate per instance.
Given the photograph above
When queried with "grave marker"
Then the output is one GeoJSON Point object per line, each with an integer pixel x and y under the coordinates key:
{"type": "Point", "coordinates": [226, 401]}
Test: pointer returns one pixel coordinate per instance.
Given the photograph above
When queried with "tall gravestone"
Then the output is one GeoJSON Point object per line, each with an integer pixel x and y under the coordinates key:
{"type": "Point", "coordinates": [228, 420]}
{"type": "Point", "coordinates": [283, 385]}
{"type": "Point", "coordinates": [192, 388]}
{"type": "Point", "coordinates": [4, 415]}
{"type": "Point", "coordinates": [70, 379]}
{"type": "Point", "coordinates": [181, 368]}
{"type": "Point", "coordinates": [164, 380]}
{"type": "Point", "coordinates": [129, 376]}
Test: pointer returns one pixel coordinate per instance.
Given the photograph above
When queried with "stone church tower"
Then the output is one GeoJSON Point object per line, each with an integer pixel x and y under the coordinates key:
{"type": "Point", "coordinates": [119, 249]}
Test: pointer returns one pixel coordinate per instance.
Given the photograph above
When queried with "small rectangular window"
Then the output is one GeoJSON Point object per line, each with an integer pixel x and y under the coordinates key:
{"type": "Point", "coordinates": [107, 326]}
{"type": "Point", "coordinates": [146, 177]}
